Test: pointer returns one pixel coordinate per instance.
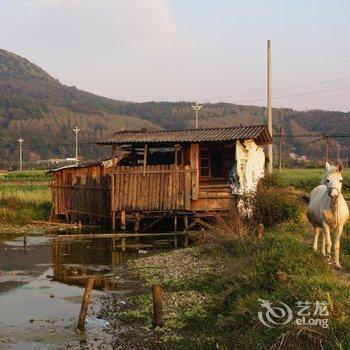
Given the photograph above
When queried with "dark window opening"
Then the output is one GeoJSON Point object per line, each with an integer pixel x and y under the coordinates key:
{"type": "Point", "coordinates": [216, 161]}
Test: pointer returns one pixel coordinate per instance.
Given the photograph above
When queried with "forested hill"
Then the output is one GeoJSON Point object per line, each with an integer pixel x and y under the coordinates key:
{"type": "Point", "coordinates": [41, 110]}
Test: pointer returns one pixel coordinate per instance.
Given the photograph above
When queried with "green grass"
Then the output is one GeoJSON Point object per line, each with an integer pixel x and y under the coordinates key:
{"type": "Point", "coordinates": [307, 179]}
{"type": "Point", "coordinates": [30, 175]}
{"type": "Point", "coordinates": [24, 196]}
{"type": "Point", "coordinates": [228, 319]}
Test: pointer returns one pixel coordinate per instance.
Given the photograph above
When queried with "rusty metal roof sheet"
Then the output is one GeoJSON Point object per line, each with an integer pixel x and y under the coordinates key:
{"type": "Point", "coordinates": [105, 163]}
{"type": "Point", "coordinates": [259, 133]}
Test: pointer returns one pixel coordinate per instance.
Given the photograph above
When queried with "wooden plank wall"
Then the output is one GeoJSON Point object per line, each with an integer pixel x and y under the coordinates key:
{"type": "Point", "coordinates": [157, 187]}
{"type": "Point", "coordinates": [82, 192]}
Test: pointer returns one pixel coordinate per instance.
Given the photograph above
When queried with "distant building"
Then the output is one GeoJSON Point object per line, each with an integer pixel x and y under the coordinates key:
{"type": "Point", "coordinates": [299, 158]}
{"type": "Point", "coordinates": [56, 161]}
{"type": "Point", "coordinates": [293, 155]}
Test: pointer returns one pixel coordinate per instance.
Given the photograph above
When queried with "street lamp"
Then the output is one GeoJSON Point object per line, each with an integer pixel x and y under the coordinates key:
{"type": "Point", "coordinates": [76, 130]}
{"type": "Point", "coordinates": [20, 154]}
{"type": "Point", "coordinates": [197, 107]}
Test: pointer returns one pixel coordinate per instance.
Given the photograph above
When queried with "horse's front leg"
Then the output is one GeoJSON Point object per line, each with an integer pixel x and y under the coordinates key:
{"type": "Point", "coordinates": [338, 233]}
{"type": "Point", "coordinates": [327, 238]}
{"type": "Point", "coordinates": [317, 233]}
{"type": "Point", "coordinates": [323, 244]}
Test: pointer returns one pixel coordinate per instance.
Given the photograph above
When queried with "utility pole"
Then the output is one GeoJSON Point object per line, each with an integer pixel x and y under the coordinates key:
{"type": "Point", "coordinates": [280, 151]}
{"type": "Point", "coordinates": [197, 107]}
{"type": "Point", "coordinates": [76, 130]}
{"type": "Point", "coordinates": [338, 151]}
{"type": "Point", "coordinates": [269, 106]}
{"type": "Point", "coordinates": [328, 141]}
{"type": "Point", "coordinates": [20, 154]}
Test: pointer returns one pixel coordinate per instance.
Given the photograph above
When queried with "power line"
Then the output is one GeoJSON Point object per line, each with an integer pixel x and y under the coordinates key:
{"type": "Point", "coordinates": [28, 145]}
{"type": "Point", "coordinates": [301, 94]}
{"type": "Point", "coordinates": [313, 135]}
{"type": "Point", "coordinates": [293, 87]}
{"type": "Point", "coordinates": [93, 143]}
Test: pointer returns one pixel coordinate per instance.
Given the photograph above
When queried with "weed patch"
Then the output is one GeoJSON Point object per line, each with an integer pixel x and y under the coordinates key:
{"type": "Point", "coordinates": [24, 196]}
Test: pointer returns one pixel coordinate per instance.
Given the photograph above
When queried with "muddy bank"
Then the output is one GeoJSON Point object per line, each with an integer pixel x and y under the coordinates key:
{"type": "Point", "coordinates": [8, 231]}
{"type": "Point", "coordinates": [131, 315]}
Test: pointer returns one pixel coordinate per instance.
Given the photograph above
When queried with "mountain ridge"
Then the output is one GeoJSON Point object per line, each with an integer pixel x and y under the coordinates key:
{"type": "Point", "coordinates": [33, 105]}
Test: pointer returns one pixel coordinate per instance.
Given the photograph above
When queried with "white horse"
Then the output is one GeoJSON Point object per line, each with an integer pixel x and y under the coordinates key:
{"type": "Point", "coordinates": [328, 210]}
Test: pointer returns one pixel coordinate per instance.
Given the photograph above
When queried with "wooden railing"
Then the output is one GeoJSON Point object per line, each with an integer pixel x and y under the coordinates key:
{"type": "Point", "coordinates": [155, 187]}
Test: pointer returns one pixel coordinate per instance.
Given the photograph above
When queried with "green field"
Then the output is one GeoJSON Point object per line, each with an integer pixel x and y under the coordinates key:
{"type": "Point", "coordinates": [24, 196]}
{"type": "Point", "coordinates": [307, 179]}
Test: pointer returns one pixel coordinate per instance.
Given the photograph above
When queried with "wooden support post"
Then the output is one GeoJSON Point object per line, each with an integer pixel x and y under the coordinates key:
{"type": "Point", "coordinates": [137, 226]}
{"type": "Point", "coordinates": [85, 304]}
{"type": "Point", "coordinates": [145, 152]}
{"type": "Point", "coordinates": [113, 221]}
{"type": "Point", "coordinates": [137, 222]}
{"type": "Point", "coordinates": [123, 220]}
{"type": "Point", "coordinates": [123, 244]}
{"type": "Point", "coordinates": [176, 155]}
{"type": "Point", "coordinates": [113, 189]}
{"type": "Point", "coordinates": [133, 155]}
{"type": "Point", "coordinates": [195, 167]}
{"type": "Point", "coordinates": [186, 231]}
{"type": "Point", "coordinates": [175, 229]}
{"type": "Point", "coordinates": [157, 292]}
{"type": "Point", "coordinates": [175, 221]}
{"type": "Point", "coordinates": [186, 239]}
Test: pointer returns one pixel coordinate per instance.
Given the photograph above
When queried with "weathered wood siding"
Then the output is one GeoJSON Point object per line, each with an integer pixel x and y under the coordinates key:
{"type": "Point", "coordinates": [83, 192]}
{"type": "Point", "coordinates": [157, 187]}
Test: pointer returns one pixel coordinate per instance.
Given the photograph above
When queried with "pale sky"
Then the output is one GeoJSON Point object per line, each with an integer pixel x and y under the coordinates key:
{"type": "Point", "coordinates": [188, 50]}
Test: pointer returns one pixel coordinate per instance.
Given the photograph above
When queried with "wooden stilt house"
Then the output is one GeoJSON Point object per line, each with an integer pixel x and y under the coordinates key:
{"type": "Point", "coordinates": [82, 192]}
{"type": "Point", "coordinates": [183, 175]}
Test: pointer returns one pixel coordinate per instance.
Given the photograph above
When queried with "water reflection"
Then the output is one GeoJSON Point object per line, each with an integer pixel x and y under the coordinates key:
{"type": "Point", "coordinates": [74, 260]}
{"type": "Point", "coordinates": [20, 263]}
{"type": "Point", "coordinates": [41, 289]}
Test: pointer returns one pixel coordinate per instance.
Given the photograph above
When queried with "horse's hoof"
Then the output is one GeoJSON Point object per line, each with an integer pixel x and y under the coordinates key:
{"type": "Point", "coordinates": [339, 267]}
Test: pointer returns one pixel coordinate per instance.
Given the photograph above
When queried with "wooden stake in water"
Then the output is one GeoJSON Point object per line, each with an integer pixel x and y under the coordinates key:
{"type": "Point", "coordinates": [85, 304]}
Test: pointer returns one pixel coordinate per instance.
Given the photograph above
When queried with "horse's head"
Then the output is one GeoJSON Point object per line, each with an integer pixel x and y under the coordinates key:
{"type": "Point", "coordinates": [333, 180]}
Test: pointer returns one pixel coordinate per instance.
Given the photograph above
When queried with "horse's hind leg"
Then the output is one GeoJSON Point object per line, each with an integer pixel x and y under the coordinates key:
{"type": "Point", "coordinates": [317, 233]}
{"type": "Point", "coordinates": [323, 244]}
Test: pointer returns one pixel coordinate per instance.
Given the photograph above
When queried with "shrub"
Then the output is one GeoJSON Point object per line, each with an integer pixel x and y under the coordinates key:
{"type": "Point", "coordinates": [274, 206]}
{"type": "Point", "coordinates": [274, 180]}
{"type": "Point", "coordinates": [11, 202]}
{"type": "Point", "coordinates": [232, 232]}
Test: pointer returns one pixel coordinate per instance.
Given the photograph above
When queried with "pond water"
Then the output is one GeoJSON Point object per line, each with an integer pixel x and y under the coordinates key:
{"type": "Point", "coordinates": [41, 286]}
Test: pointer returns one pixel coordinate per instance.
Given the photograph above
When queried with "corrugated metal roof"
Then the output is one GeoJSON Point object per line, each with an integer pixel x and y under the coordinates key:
{"type": "Point", "coordinates": [259, 133]}
{"type": "Point", "coordinates": [105, 163]}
